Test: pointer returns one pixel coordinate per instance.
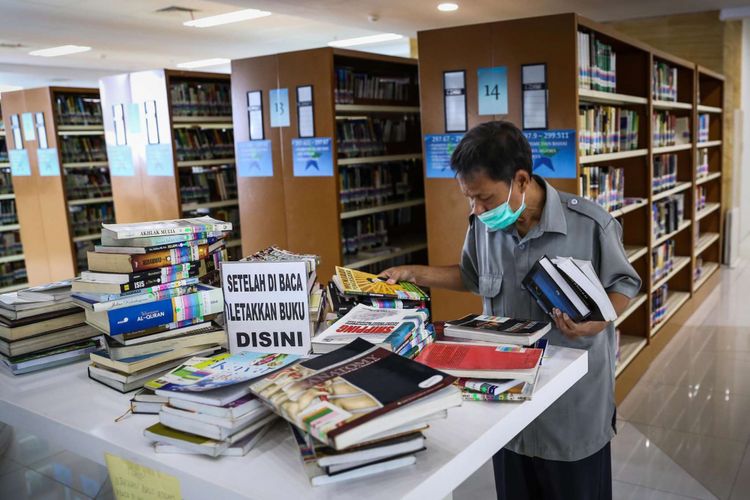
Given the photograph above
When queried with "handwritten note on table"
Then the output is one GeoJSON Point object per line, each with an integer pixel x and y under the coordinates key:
{"type": "Point", "coordinates": [132, 481]}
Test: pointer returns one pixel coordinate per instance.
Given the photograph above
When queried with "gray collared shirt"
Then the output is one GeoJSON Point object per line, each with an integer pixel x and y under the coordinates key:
{"type": "Point", "coordinates": [493, 264]}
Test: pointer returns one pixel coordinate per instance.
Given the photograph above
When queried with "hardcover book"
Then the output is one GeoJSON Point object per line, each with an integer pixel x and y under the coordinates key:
{"type": "Point", "coordinates": [496, 329]}
{"type": "Point", "coordinates": [191, 226]}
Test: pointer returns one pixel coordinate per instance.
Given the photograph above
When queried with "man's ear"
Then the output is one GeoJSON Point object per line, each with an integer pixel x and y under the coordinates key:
{"type": "Point", "coordinates": [522, 178]}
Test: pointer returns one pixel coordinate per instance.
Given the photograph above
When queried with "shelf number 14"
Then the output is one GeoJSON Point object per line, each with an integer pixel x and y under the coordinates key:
{"type": "Point", "coordinates": [492, 91]}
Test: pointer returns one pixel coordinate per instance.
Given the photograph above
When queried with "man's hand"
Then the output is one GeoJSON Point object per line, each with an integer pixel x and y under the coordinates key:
{"type": "Point", "coordinates": [571, 329]}
{"type": "Point", "coordinates": [400, 273]}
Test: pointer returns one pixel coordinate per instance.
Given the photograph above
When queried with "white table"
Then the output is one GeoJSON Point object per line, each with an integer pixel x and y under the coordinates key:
{"type": "Point", "coordinates": [69, 409]}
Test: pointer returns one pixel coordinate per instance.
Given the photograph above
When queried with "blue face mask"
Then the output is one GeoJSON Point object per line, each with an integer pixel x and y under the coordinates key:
{"type": "Point", "coordinates": [502, 216]}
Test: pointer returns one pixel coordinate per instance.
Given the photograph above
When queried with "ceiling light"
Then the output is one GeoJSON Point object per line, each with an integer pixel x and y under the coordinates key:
{"type": "Point", "coordinates": [202, 63]}
{"type": "Point", "coordinates": [447, 7]}
{"type": "Point", "coordinates": [62, 50]}
{"type": "Point", "coordinates": [363, 40]}
{"type": "Point", "coordinates": [229, 17]}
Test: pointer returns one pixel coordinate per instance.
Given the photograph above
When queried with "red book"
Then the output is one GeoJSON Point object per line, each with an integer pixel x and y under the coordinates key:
{"type": "Point", "coordinates": [482, 361]}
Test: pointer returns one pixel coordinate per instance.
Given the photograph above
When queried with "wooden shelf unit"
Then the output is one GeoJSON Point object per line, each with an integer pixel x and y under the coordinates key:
{"type": "Point", "coordinates": [553, 40]}
{"type": "Point", "coordinates": [307, 214]}
{"type": "Point", "coordinates": [12, 274]}
{"type": "Point", "coordinates": [185, 116]}
{"type": "Point", "coordinates": [61, 211]}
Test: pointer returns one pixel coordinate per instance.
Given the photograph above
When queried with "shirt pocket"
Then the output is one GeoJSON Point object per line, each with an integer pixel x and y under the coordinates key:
{"type": "Point", "coordinates": [490, 287]}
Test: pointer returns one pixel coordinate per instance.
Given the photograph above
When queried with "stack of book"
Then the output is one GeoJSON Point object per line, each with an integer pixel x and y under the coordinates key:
{"type": "Point", "coordinates": [318, 296]}
{"type": "Point", "coordinates": [356, 398]}
{"type": "Point", "coordinates": [662, 257]}
{"type": "Point", "coordinates": [147, 290]}
{"type": "Point", "coordinates": [669, 129]}
{"type": "Point", "coordinates": [659, 304]}
{"type": "Point", "coordinates": [40, 327]}
{"type": "Point", "coordinates": [664, 172]}
{"type": "Point", "coordinates": [210, 409]}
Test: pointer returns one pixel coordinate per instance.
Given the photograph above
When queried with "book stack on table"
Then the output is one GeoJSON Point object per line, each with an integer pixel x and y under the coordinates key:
{"type": "Point", "coordinates": [146, 290]}
{"type": "Point", "coordinates": [40, 327]}
{"type": "Point", "coordinates": [495, 358]}
{"type": "Point", "coordinates": [358, 410]}
{"type": "Point", "coordinates": [209, 408]}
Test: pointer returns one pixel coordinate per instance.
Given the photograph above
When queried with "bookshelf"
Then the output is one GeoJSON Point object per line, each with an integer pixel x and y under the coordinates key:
{"type": "Point", "coordinates": [67, 193]}
{"type": "Point", "coordinates": [369, 214]}
{"type": "Point", "coordinates": [13, 271]}
{"type": "Point", "coordinates": [660, 172]}
{"type": "Point", "coordinates": [174, 129]}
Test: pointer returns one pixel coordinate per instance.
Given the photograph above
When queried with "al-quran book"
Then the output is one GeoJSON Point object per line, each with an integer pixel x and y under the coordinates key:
{"type": "Point", "coordinates": [354, 282]}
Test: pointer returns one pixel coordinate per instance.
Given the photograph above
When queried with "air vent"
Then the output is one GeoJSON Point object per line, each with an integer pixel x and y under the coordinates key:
{"type": "Point", "coordinates": [177, 8]}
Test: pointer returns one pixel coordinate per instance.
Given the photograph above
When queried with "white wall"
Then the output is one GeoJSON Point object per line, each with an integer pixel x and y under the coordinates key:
{"type": "Point", "coordinates": [744, 177]}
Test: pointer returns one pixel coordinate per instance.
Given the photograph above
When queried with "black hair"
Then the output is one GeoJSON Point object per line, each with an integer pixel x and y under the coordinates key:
{"type": "Point", "coordinates": [498, 148]}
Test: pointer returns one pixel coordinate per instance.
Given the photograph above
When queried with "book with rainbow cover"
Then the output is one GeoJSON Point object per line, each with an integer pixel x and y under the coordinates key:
{"type": "Point", "coordinates": [354, 282]}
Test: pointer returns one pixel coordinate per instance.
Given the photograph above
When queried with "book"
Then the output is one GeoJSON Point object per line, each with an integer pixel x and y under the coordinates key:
{"type": "Point", "coordinates": [496, 329]}
{"type": "Point", "coordinates": [214, 397]}
{"type": "Point", "coordinates": [484, 390]}
{"type": "Point", "coordinates": [131, 263]}
{"type": "Point", "coordinates": [409, 442]}
{"type": "Point", "coordinates": [232, 424]}
{"type": "Point", "coordinates": [354, 282]}
{"type": "Point", "coordinates": [121, 283]}
{"type": "Point", "coordinates": [212, 430]}
{"type": "Point", "coordinates": [160, 433]}
{"type": "Point", "coordinates": [238, 449]}
{"type": "Point", "coordinates": [162, 333]}
{"type": "Point", "coordinates": [550, 290]}
{"type": "Point", "coordinates": [319, 476]}
{"type": "Point", "coordinates": [48, 340]}
{"type": "Point", "coordinates": [18, 311]}
{"type": "Point", "coordinates": [213, 335]}
{"type": "Point", "coordinates": [387, 328]}
{"type": "Point", "coordinates": [105, 302]}
{"type": "Point", "coordinates": [50, 358]}
{"type": "Point", "coordinates": [199, 374]}
{"type": "Point", "coordinates": [482, 361]}
{"type": "Point", "coordinates": [188, 226]}
{"type": "Point", "coordinates": [124, 382]}
{"type": "Point", "coordinates": [232, 409]}
{"type": "Point", "coordinates": [207, 300]}
{"type": "Point", "coordinates": [50, 292]}
{"type": "Point", "coordinates": [145, 401]}
{"type": "Point", "coordinates": [582, 277]}
{"type": "Point", "coordinates": [354, 393]}
{"type": "Point", "coordinates": [110, 241]}
{"type": "Point", "coordinates": [135, 250]}
{"type": "Point", "coordinates": [12, 330]}
{"type": "Point", "coordinates": [138, 363]}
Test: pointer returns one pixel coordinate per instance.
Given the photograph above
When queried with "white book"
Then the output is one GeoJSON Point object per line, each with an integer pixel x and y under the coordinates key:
{"type": "Point", "coordinates": [214, 397]}
{"type": "Point", "coordinates": [238, 449]}
{"type": "Point", "coordinates": [233, 424]}
{"type": "Point", "coordinates": [211, 431]}
{"type": "Point", "coordinates": [583, 274]}
{"type": "Point", "coordinates": [548, 266]}
{"type": "Point", "coordinates": [368, 470]}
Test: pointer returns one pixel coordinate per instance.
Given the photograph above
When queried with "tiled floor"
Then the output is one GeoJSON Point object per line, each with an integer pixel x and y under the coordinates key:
{"type": "Point", "coordinates": [684, 431]}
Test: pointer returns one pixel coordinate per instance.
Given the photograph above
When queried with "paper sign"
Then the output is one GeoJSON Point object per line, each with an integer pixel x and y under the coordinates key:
{"type": "Point", "coordinates": [279, 107]}
{"type": "Point", "coordinates": [438, 150]}
{"type": "Point", "coordinates": [492, 90]}
{"type": "Point", "coordinates": [27, 119]}
{"type": "Point", "coordinates": [454, 96]}
{"type": "Point", "coordinates": [159, 160]}
{"type": "Point", "coordinates": [255, 114]}
{"type": "Point", "coordinates": [305, 114]}
{"type": "Point", "coordinates": [534, 87]}
{"type": "Point", "coordinates": [134, 118]}
{"type": "Point", "coordinates": [49, 163]}
{"type": "Point", "coordinates": [266, 307]}
{"type": "Point", "coordinates": [132, 481]}
{"type": "Point", "coordinates": [254, 159]}
{"type": "Point", "coordinates": [553, 153]}
{"type": "Point", "coordinates": [19, 162]}
{"type": "Point", "coordinates": [120, 161]}
{"type": "Point", "coordinates": [312, 157]}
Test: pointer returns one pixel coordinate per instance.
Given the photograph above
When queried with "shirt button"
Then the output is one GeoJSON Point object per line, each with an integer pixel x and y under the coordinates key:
{"type": "Point", "coordinates": [522, 246]}
{"type": "Point", "coordinates": [574, 201]}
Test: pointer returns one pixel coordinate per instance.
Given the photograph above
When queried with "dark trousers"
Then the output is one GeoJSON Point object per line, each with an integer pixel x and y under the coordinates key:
{"type": "Point", "coordinates": [518, 477]}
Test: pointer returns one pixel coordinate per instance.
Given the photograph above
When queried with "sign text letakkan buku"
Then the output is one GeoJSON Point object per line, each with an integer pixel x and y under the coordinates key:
{"type": "Point", "coordinates": [266, 307]}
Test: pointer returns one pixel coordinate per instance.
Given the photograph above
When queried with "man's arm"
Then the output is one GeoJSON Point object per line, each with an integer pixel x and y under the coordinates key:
{"type": "Point", "coordinates": [589, 328]}
{"type": "Point", "coordinates": [433, 276]}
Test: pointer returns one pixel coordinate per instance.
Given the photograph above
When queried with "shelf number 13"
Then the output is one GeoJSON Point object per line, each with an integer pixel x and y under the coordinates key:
{"type": "Point", "coordinates": [278, 107]}
{"type": "Point", "coordinates": [492, 90]}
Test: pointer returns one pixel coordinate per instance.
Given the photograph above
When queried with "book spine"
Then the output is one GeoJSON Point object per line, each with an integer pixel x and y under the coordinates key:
{"type": "Point", "coordinates": [177, 309]}
{"type": "Point", "coordinates": [171, 257]}
{"type": "Point", "coordinates": [155, 232]}
{"type": "Point", "coordinates": [471, 396]}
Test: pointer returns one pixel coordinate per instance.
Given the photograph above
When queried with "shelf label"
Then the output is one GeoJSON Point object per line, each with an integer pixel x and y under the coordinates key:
{"type": "Point", "coordinates": [132, 481]}
{"type": "Point", "coordinates": [120, 160]}
{"type": "Point", "coordinates": [534, 102]}
{"type": "Point", "coordinates": [313, 157]}
{"type": "Point", "coordinates": [134, 118]}
{"type": "Point", "coordinates": [438, 150]}
{"type": "Point", "coordinates": [159, 160]}
{"type": "Point", "coordinates": [553, 153]}
{"type": "Point", "coordinates": [279, 107]}
{"type": "Point", "coordinates": [254, 159]}
{"type": "Point", "coordinates": [305, 113]}
{"type": "Point", "coordinates": [493, 90]}
{"type": "Point", "coordinates": [19, 162]}
{"type": "Point", "coordinates": [49, 163]}
{"type": "Point", "coordinates": [266, 307]}
{"type": "Point", "coordinates": [27, 120]}
{"type": "Point", "coordinates": [454, 100]}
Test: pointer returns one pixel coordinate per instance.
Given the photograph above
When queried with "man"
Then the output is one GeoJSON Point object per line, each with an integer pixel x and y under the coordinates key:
{"type": "Point", "coordinates": [516, 218]}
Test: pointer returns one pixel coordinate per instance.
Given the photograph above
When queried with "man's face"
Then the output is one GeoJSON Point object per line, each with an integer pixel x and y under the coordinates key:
{"type": "Point", "coordinates": [484, 193]}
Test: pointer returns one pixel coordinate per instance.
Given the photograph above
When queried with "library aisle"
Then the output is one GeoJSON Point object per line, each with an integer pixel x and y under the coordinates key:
{"type": "Point", "coordinates": [682, 432]}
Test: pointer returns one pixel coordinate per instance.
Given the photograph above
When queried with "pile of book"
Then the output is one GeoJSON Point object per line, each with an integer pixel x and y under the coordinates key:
{"type": "Point", "coordinates": [146, 290]}
{"type": "Point", "coordinates": [703, 124]}
{"type": "Point", "coordinates": [361, 407]}
{"type": "Point", "coordinates": [495, 358]}
{"type": "Point", "coordinates": [210, 409]}
{"type": "Point", "coordinates": [670, 129]}
{"type": "Point", "coordinates": [41, 327]}
{"type": "Point", "coordinates": [318, 295]}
